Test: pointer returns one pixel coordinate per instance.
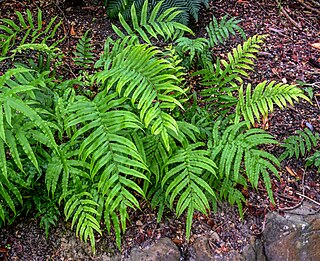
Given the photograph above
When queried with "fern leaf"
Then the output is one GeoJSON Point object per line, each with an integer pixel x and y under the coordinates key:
{"type": "Point", "coordinates": [298, 145]}
{"type": "Point", "coordinates": [262, 99]}
{"type": "Point", "coordinates": [184, 178]}
{"type": "Point", "coordinates": [219, 33]}
{"type": "Point", "coordinates": [237, 146]}
{"type": "Point", "coordinates": [163, 24]}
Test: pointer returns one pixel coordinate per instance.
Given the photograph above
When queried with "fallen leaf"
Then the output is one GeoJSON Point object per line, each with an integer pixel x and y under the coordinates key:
{"type": "Point", "coordinates": [292, 172]}
{"type": "Point", "coordinates": [72, 32]}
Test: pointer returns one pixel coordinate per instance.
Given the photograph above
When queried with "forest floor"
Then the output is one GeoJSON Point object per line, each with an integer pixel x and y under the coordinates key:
{"type": "Point", "coordinates": [286, 56]}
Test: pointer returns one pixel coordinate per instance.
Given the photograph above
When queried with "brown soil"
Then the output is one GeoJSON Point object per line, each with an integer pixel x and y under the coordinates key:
{"type": "Point", "coordinates": [287, 56]}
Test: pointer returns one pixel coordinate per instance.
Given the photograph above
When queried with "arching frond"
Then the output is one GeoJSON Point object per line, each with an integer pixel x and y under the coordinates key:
{"type": "Point", "coordinates": [32, 31]}
{"type": "Point", "coordinates": [220, 32]}
{"type": "Point", "coordinates": [262, 99]}
{"type": "Point", "coordinates": [184, 181]}
{"type": "Point", "coordinates": [298, 145]}
{"type": "Point", "coordinates": [153, 25]}
{"type": "Point", "coordinates": [238, 146]}
{"type": "Point", "coordinates": [149, 82]}
{"type": "Point", "coordinates": [226, 75]}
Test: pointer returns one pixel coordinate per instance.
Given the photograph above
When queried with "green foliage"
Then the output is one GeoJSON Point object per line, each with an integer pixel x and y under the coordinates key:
{"type": "Point", "coordinates": [261, 100]}
{"type": "Point", "coordinates": [314, 160]}
{"type": "Point", "coordinates": [145, 135]}
{"type": "Point", "coordinates": [187, 165]}
{"type": "Point", "coordinates": [195, 52]}
{"type": "Point", "coordinates": [298, 145]}
{"type": "Point", "coordinates": [219, 32]}
{"type": "Point", "coordinates": [236, 148]}
{"type": "Point", "coordinates": [153, 25]}
{"type": "Point", "coordinates": [187, 9]}
{"type": "Point", "coordinates": [27, 30]}
{"type": "Point", "coordinates": [83, 54]}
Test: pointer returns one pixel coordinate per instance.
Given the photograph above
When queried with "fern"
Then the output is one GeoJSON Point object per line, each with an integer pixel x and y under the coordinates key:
{"type": "Point", "coordinates": [136, 72]}
{"type": "Point", "coordinates": [220, 32]}
{"type": "Point", "coordinates": [194, 51]}
{"type": "Point", "coordinates": [298, 145]}
{"type": "Point", "coordinates": [18, 122]}
{"type": "Point", "coordinates": [83, 55]}
{"type": "Point", "coordinates": [153, 25]}
{"type": "Point", "coordinates": [183, 180]}
{"type": "Point", "coordinates": [314, 160]}
{"type": "Point", "coordinates": [113, 158]}
{"type": "Point", "coordinates": [186, 8]}
{"type": "Point", "coordinates": [236, 147]}
{"type": "Point", "coordinates": [82, 209]}
{"type": "Point", "coordinates": [28, 30]}
{"type": "Point", "coordinates": [261, 101]}
{"type": "Point", "coordinates": [225, 76]}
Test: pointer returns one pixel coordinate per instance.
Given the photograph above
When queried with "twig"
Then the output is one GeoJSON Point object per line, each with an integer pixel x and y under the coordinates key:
{"type": "Point", "coordinates": [315, 97]}
{"type": "Point", "coordinates": [285, 13]}
{"type": "Point", "coordinates": [304, 196]}
{"type": "Point", "coordinates": [309, 7]}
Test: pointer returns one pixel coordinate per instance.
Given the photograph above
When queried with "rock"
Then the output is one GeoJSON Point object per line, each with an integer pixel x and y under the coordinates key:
{"type": "Point", "coordinates": [201, 251]}
{"type": "Point", "coordinates": [163, 250]}
{"type": "Point", "coordinates": [292, 237]}
{"type": "Point", "coordinates": [254, 251]}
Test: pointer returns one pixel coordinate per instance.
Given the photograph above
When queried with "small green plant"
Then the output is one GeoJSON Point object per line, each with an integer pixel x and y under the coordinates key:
{"type": "Point", "coordinates": [314, 160]}
{"type": "Point", "coordinates": [84, 57]}
{"type": "Point", "coordinates": [300, 144]}
{"type": "Point", "coordinates": [219, 32]}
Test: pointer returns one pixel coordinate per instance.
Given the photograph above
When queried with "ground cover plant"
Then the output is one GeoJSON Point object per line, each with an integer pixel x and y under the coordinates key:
{"type": "Point", "coordinates": [143, 136]}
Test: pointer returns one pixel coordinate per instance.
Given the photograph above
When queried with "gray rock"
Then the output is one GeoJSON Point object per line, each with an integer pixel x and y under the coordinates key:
{"type": "Point", "coordinates": [201, 251]}
{"type": "Point", "coordinates": [292, 237]}
{"type": "Point", "coordinates": [163, 250]}
{"type": "Point", "coordinates": [254, 251]}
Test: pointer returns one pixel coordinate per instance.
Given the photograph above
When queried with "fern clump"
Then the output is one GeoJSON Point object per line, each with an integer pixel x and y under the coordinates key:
{"type": "Point", "coordinates": [188, 10]}
{"type": "Point", "coordinates": [144, 134]}
{"type": "Point", "coordinates": [28, 30]}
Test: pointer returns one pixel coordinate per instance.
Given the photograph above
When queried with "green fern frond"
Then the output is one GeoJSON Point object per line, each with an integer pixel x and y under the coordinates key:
{"type": "Point", "coordinates": [314, 160]}
{"type": "Point", "coordinates": [84, 57]}
{"type": "Point", "coordinates": [229, 192]}
{"type": "Point", "coordinates": [238, 146]}
{"type": "Point", "coordinates": [136, 72]}
{"type": "Point", "coordinates": [225, 76]}
{"type": "Point", "coordinates": [183, 180]}
{"type": "Point", "coordinates": [192, 48]}
{"type": "Point", "coordinates": [220, 32]}
{"type": "Point", "coordinates": [298, 145]}
{"type": "Point", "coordinates": [262, 99]}
{"type": "Point", "coordinates": [28, 30]}
{"type": "Point", "coordinates": [153, 25]}
{"type": "Point", "coordinates": [82, 210]}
